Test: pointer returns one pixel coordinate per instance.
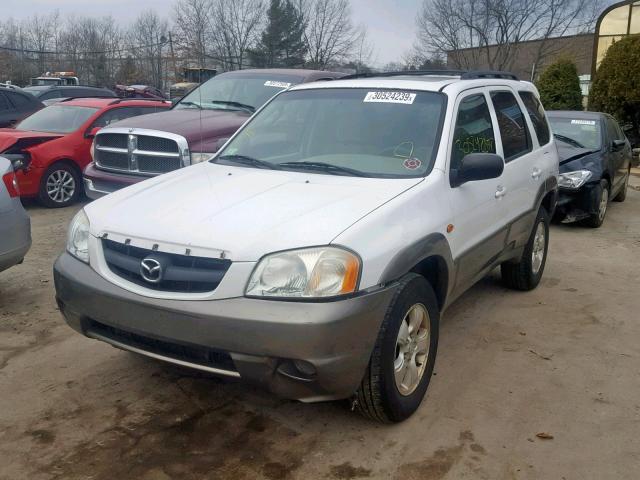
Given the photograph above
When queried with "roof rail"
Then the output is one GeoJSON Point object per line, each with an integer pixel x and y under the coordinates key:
{"type": "Point", "coordinates": [446, 73]}
{"type": "Point", "coordinates": [463, 74]}
{"type": "Point", "coordinates": [68, 99]}
{"type": "Point", "coordinates": [128, 99]}
{"type": "Point", "coordinates": [475, 74]}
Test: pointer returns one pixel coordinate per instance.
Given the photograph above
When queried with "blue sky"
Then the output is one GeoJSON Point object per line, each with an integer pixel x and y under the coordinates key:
{"type": "Point", "coordinates": [390, 23]}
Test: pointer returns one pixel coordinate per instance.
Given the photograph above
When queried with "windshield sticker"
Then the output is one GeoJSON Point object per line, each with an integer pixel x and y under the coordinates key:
{"type": "Point", "coordinates": [390, 97]}
{"type": "Point", "coordinates": [583, 122]}
{"type": "Point", "coordinates": [270, 83]}
{"type": "Point", "coordinates": [412, 163]}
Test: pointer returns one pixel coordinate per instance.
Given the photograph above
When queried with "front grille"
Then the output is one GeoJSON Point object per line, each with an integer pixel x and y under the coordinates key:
{"type": "Point", "coordinates": [180, 273]}
{"type": "Point", "coordinates": [155, 164]}
{"type": "Point", "coordinates": [116, 160]}
{"type": "Point", "coordinates": [196, 354]}
{"type": "Point", "coordinates": [112, 140]}
{"type": "Point", "coordinates": [157, 144]}
{"type": "Point", "coordinates": [142, 154]}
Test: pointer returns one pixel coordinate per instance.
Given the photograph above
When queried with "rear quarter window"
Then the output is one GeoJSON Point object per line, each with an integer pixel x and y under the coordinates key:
{"type": "Point", "coordinates": [516, 140]}
{"type": "Point", "coordinates": [537, 116]}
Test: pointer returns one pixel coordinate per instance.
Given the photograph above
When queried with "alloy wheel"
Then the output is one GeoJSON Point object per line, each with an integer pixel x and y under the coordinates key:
{"type": "Point", "coordinates": [412, 349]}
{"type": "Point", "coordinates": [602, 207]}
{"type": "Point", "coordinates": [61, 186]}
{"type": "Point", "coordinates": [537, 253]}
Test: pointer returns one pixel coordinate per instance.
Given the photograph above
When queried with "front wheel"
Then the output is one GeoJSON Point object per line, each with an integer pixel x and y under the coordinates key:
{"type": "Point", "coordinates": [595, 220]}
{"type": "Point", "coordinates": [60, 186]}
{"type": "Point", "coordinates": [526, 273]}
{"type": "Point", "coordinates": [403, 358]}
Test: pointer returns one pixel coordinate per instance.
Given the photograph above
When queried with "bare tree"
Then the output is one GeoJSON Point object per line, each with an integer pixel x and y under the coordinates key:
{"type": "Point", "coordinates": [330, 34]}
{"type": "Point", "coordinates": [488, 32]}
{"type": "Point", "coordinates": [193, 29]}
{"type": "Point", "coordinates": [149, 34]}
{"type": "Point", "coordinates": [236, 26]}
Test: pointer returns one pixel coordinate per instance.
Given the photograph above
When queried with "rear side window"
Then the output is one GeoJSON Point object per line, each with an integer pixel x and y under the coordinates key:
{"type": "Point", "coordinates": [516, 140]}
{"type": "Point", "coordinates": [117, 114]}
{"type": "Point", "coordinates": [537, 116]}
{"type": "Point", "coordinates": [19, 100]}
{"type": "Point", "coordinates": [474, 130]}
{"type": "Point", "coordinates": [4, 104]}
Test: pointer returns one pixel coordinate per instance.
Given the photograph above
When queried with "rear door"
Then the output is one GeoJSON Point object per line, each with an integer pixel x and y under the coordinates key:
{"type": "Point", "coordinates": [8, 114]}
{"type": "Point", "coordinates": [479, 235]}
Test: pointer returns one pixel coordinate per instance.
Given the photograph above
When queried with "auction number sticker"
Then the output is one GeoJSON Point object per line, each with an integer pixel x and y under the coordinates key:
{"type": "Point", "coordinates": [583, 122]}
{"type": "Point", "coordinates": [390, 97]}
{"type": "Point", "coordinates": [270, 83]}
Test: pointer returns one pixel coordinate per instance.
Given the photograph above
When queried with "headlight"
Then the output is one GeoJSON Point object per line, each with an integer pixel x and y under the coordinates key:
{"type": "Point", "coordinates": [201, 157]}
{"type": "Point", "coordinates": [574, 180]}
{"type": "Point", "coordinates": [306, 273]}
{"type": "Point", "coordinates": [78, 237]}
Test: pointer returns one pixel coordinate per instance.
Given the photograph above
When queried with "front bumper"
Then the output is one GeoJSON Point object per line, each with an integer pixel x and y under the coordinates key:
{"type": "Point", "coordinates": [575, 205]}
{"type": "Point", "coordinates": [98, 183]}
{"type": "Point", "coordinates": [261, 337]}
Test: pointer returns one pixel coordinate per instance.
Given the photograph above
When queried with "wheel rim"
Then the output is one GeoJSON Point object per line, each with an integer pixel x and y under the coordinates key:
{"type": "Point", "coordinates": [412, 349]}
{"type": "Point", "coordinates": [61, 186]}
{"type": "Point", "coordinates": [537, 254]}
{"type": "Point", "coordinates": [604, 200]}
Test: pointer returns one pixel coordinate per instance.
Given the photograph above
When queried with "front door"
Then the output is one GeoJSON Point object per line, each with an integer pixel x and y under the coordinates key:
{"type": "Point", "coordinates": [479, 232]}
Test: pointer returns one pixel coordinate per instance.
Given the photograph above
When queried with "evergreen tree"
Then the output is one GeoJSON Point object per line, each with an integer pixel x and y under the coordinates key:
{"type": "Point", "coordinates": [616, 87]}
{"type": "Point", "coordinates": [559, 86]}
{"type": "Point", "coordinates": [281, 43]}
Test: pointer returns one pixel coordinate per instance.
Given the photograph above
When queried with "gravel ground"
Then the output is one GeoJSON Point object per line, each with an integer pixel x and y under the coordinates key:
{"type": "Point", "coordinates": [560, 361]}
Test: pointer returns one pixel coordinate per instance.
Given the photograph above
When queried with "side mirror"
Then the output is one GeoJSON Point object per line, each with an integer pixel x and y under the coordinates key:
{"type": "Point", "coordinates": [91, 132]}
{"type": "Point", "coordinates": [477, 166]}
{"type": "Point", "coordinates": [618, 145]}
{"type": "Point", "coordinates": [220, 143]}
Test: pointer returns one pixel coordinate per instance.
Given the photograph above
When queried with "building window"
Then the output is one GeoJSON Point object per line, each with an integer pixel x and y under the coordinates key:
{"type": "Point", "coordinates": [614, 24]}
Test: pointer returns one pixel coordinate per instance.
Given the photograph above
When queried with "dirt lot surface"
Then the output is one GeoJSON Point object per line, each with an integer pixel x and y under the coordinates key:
{"type": "Point", "coordinates": [563, 360]}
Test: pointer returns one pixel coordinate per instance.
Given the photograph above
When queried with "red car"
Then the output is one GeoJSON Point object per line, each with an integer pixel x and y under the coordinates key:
{"type": "Point", "coordinates": [50, 148]}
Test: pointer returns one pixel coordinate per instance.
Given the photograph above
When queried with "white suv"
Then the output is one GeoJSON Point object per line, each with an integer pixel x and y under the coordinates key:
{"type": "Point", "coordinates": [316, 253]}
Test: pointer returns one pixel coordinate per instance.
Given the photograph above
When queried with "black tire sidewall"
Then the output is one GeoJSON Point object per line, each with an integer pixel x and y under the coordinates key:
{"type": "Point", "coordinates": [397, 406]}
{"type": "Point", "coordinates": [42, 193]}
{"type": "Point", "coordinates": [534, 278]}
{"type": "Point", "coordinates": [594, 220]}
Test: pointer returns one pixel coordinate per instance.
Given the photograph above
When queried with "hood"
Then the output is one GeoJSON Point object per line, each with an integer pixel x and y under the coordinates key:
{"type": "Point", "coordinates": [201, 128]}
{"type": "Point", "coordinates": [573, 158]}
{"type": "Point", "coordinates": [568, 152]}
{"type": "Point", "coordinates": [19, 139]}
{"type": "Point", "coordinates": [243, 212]}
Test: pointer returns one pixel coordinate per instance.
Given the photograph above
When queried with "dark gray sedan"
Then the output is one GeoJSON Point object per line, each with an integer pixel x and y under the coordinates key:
{"type": "Point", "coordinates": [15, 226]}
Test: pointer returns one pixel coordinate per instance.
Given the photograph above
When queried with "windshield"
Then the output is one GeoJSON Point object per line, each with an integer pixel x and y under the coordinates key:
{"type": "Point", "coordinates": [578, 132]}
{"type": "Point", "coordinates": [45, 81]}
{"type": "Point", "coordinates": [344, 132]}
{"type": "Point", "coordinates": [57, 119]}
{"type": "Point", "coordinates": [237, 91]}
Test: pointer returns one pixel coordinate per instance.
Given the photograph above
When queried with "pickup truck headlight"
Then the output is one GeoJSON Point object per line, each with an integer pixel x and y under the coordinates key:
{"type": "Point", "coordinates": [306, 273]}
{"type": "Point", "coordinates": [574, 180]}
{"type": "Point", "coordinates": [199, 157]}
{"type": "Point", "coordinates": [78, 237]}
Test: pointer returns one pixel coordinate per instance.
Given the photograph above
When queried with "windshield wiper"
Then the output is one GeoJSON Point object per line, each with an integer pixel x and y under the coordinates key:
{"type": "Point", "coordinates": [325, 167]}
{"type": "Point", "coordinates": [243, 106]}
{"type": "Point", "coordinates": [190, 104]}
{"type": "Point", "coordinates": [568, 140]}
{"type": "Point", "coordinates": [246, 160]}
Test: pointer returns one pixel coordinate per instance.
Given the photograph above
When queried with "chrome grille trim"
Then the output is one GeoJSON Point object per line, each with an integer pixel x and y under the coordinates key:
{"type": "Point", "coordinates": [175, 150]}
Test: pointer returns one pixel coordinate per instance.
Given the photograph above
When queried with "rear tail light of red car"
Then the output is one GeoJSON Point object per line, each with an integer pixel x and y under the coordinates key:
{"type": "Point", "coordinates": [11, 182]}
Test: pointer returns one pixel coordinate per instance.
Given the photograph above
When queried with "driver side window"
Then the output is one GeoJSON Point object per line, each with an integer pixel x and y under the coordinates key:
{"type": "Point", "coordinates": [473, 131]}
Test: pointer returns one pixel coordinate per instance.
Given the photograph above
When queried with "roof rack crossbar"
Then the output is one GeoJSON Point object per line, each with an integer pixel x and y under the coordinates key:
{"type": "Point", "coordinates": [476, 74]}
{"type": "Point", "coordinates": [463, 74]}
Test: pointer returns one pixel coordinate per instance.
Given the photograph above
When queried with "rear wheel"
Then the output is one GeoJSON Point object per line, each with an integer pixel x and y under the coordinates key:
{"type": "Point", "coordinates": [60, 186]}
{"type": "Point", "coordinates": [526, 274]}
{"type": "Point", "coordinates": [403, 358]}
{"type": "Point", "coordinates": [595, 220]}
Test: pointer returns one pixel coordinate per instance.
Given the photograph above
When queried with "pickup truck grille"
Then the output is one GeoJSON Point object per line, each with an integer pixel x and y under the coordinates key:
{"type": "Point", "coordinates": [178, 273]}
{"type": "Point", "coordinates": [139, 154]}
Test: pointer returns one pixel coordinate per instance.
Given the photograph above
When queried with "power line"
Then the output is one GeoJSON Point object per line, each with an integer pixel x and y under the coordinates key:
{"type": "Point", "coordinates": [52, 52]}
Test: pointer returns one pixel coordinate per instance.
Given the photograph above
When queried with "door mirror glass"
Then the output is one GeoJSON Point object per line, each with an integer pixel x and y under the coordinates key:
{"type": "Point", "coordinates": [617, 145]}
{"type": "Point", "coordinates": [478, 166]}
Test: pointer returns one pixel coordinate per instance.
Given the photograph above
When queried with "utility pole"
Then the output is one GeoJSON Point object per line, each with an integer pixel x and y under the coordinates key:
{"type": "Point", "coordinates": [173, 58]}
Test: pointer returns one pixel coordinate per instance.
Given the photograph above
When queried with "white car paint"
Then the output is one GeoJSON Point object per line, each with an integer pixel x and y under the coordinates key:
{"type": "Point", "coordinates": [246, 213]}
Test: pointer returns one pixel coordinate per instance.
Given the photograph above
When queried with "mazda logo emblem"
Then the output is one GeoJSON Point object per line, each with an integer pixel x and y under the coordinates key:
{"type": "Point", "coordinates": [151, 270]}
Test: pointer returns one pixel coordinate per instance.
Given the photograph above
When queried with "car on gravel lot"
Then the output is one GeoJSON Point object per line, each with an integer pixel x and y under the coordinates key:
{"type": "Point", "coordinates": [16, 105]}
{"type": "Point", "coordinates": [316, 252]}
{"type": "Point", "coordinates": [15, 226]}
{"type": "Point", "coordinates": [50, 148]}
{"type": "Point", "coordinates": [595, 165]}
{"type": "Point", "coordinates": [190, 133]}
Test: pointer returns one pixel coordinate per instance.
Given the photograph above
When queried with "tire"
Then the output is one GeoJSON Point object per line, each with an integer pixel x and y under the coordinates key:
{"type": "Point", "coordinates": [526, 274]}
{"type": "Point", "coordinates": [60, 186]}
{"type": "Point", "coordinates": [379, 397]}
{"type": "Point", "coordinates": [622, 194]}
{"type": "Point", "coordinates": [597, 219]}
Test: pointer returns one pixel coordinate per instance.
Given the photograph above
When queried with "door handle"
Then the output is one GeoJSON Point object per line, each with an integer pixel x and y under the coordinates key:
{"type": "Point", "coordinates": [501, 191]}
{"type": "Point", "coordinates": [536, 173]}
